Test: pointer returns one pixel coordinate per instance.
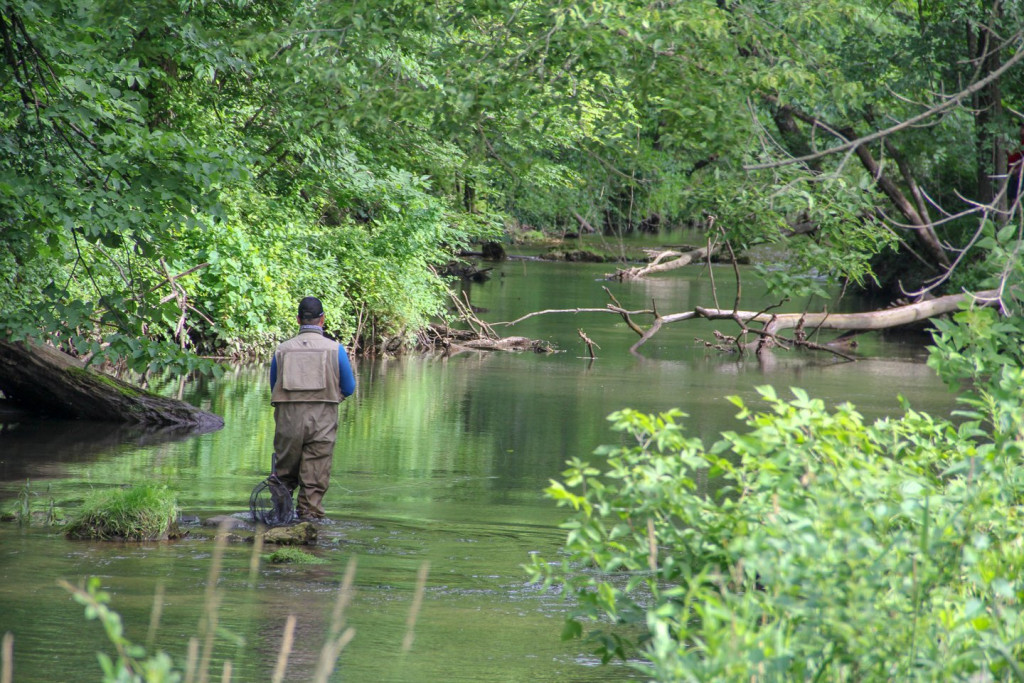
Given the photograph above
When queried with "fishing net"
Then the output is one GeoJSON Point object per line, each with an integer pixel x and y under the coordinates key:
{"type": "Point", "coordinates": [271, 503]}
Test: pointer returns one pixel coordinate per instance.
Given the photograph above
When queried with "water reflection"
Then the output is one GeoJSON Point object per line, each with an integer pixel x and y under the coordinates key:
{"type": "Point", "coordinates": [40, 448]}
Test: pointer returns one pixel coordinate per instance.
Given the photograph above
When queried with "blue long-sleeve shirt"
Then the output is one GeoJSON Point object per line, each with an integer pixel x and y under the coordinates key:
{"type": "Point", "coordinates": [346, 380]}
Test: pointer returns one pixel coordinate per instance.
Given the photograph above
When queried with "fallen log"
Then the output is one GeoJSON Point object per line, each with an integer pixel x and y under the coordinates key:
{"type": "Point", "coordinates": [437, 337]}
{"type": "Point", "coordinates": [660, 264]}
{"type": "Point", "coordinates": [44, 380]}
{"type": "Point", "coordinates": [883, 319]}
{"type": "Point", "coordinates": [773, 323]}
{"type": "Point", "coordinates": [507, 344]}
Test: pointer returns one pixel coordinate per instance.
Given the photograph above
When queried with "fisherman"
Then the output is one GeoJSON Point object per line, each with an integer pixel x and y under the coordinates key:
{"type": "Point", "coordinates": [309, 376]}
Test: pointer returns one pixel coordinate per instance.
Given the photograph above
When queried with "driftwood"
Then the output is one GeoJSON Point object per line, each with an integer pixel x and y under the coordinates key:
{"type": "Point", "coordinates": [479, 337]}
{"type": "Point", "coordinates": [585, 225]}
{"type": "Point", "coordinates": [506, 344]}
{"type": "Point", "coordinates": [660, 264]}
{"type": "Point", "coordinates": [589, 342]}
{"type": "Point", "coordinates": [44, 380]}
{"type": "Point", "coordinates": [437, 337]}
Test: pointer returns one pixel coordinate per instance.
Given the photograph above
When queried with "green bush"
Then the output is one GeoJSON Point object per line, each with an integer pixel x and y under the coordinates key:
{"type": "Point", "coordinates": [138, 513]}
{"type": "Point", "coordinates": [808, 545]}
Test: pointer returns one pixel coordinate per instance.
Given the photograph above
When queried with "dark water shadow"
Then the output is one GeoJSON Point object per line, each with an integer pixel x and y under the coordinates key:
{"type": "Point", "coordinates": [34, 447]}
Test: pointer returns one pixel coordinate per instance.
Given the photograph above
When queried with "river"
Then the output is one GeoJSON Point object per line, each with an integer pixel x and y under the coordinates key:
{"type": "Point", "coordinates": [441, 463]}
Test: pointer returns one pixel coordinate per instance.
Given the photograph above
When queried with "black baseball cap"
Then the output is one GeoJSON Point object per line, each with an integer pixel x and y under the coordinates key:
{"type": "Point", "coordinates": [310, 307]}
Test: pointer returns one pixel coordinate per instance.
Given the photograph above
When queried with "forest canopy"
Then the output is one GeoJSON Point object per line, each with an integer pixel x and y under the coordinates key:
{"type": "Point", "coordinates": [175, 175]}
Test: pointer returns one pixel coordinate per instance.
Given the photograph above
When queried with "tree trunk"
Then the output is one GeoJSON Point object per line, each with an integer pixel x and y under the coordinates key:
{"type": "Point", "coordinates": [988, 113]}
{"type": "Point", "coordinates": [45, 380]}
{"type": "Point", "coordinates": [871, 320]}
{"type": "Point", "coordinates": [924, 230]}
{"type": "Point", "coordinates": [790, 134]}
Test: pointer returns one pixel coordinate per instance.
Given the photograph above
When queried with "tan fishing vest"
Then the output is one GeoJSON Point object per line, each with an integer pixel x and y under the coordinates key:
{"type": "Point", "coordinates": [307, 370]}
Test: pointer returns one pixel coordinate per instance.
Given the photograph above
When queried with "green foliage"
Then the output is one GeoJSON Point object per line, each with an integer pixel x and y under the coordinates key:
{"type": "Point", "coordinates": [171, 181]}
{"type": "Point", "coordinates": [977, 347]}
{"type": "Point", "coordinates": [181, 174]}
{"type": "Point", "coordinates": [980, 349]}
{"type": "Point", "coordinates": [136, 513]}
{"type": "Point", "coordinates": [806, 545]}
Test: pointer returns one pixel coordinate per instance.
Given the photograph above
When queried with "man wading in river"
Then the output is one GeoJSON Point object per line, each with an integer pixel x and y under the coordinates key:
{"type": "Point", "coordinates": [309, 376]}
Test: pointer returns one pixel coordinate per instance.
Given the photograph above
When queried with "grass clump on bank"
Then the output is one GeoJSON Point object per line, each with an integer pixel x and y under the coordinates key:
{"type": "Point", "coordinates": [289, 555]}
{"type": "Point", "coordinates": [140, 513]}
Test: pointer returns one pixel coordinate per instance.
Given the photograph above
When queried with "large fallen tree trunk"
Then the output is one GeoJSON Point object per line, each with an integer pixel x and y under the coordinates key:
{"type": "Point", "coordinates": [870, 320]}
{"type": "Point", "coordinates": [44, 380]}
{"type": "Point", "coordinates": [774, 323]}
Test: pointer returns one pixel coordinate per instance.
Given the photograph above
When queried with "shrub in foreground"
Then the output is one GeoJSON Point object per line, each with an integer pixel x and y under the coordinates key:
{"type": "Point", "coordinates": [808, 545]}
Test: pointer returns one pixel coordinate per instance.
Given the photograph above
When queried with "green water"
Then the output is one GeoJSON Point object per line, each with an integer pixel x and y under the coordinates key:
{"type": "Point", "coordinates": [438, 460]}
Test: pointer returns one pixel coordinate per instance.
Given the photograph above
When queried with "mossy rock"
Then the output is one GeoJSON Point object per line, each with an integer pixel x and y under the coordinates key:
{"type": "Point", "coordinates": [302, 533]}
{"type": "Point", "coordinates": [293, 555]}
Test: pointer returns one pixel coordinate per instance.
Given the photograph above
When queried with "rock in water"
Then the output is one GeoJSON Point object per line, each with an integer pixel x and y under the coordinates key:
{"type": "Point", "coordinates": [300, 534]}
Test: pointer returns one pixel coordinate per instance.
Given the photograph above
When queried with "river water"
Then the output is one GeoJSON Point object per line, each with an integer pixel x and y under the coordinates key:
{"type": "Point", "coordinates": [441, 464]}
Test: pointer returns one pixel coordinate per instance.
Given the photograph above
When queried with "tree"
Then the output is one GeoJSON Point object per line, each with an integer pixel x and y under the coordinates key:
{"type": "Point", "coordinates": [176, 175]}
{"type": "Point", "coordinates": [707, 104]}
{"type": "Point", "coordinates": [171, 184]}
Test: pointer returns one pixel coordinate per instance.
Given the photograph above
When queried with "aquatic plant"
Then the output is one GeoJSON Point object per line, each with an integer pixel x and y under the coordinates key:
{"type": "Point", "coordinates": [21, 511]}
{"type": "Point", "coordinates": [137, 513]}
{"type": "Point", "coordinates": [23, 505]}
{"type": "Point", "coordinates": [291, 555]}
